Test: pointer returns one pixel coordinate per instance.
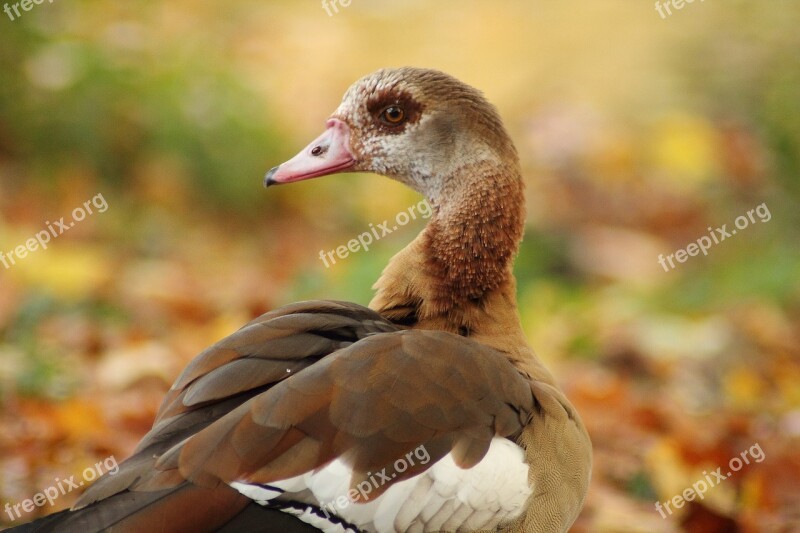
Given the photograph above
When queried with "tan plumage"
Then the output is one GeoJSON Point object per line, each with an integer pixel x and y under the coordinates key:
{"type": "Point", "coordinates": [439, 359]}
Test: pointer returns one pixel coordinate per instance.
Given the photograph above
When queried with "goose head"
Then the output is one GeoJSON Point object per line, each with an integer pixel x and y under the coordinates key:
{"type": "Point", "coordinates": [443, 139]}
{"type": "Point", "coordinates": [421, 127]}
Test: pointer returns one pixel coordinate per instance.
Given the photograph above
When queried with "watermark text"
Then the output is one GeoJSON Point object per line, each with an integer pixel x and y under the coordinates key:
{"type": "Point", "coordinates": [328, 4]}
{"type": "Point", "coordinates": [53, 230]}
{"type": "Point", "coordinates": [663, 6]}
{"type": "Point", "coordinates": [715, 236]}
{"type": "Point", "coordinates": [376, 480]}
{"type": "Point", "coordinates": [61, 487]}
{"type": "Point", "coordinates": [375, 233]}
{"type": "Point", "coordinates": [26, 5]}
{"type": "Point", "coordinates": [701, 486]}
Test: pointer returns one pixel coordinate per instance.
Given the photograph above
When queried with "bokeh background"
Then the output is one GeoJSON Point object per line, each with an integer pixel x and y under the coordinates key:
{"type": "Point", "coordinates": [637, 132]}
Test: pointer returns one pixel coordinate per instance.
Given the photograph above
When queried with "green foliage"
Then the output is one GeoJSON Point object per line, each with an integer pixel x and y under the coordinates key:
{"type": "Point", "coordinates": [66, 100]}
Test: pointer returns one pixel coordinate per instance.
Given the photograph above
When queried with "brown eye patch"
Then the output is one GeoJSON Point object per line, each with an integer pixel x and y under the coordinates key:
{"type": "Point", "coordinates": [393, 109]}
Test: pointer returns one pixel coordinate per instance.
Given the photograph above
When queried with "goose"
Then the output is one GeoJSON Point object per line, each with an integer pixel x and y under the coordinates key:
{"type": "Point", "coordinates": [425, 411]}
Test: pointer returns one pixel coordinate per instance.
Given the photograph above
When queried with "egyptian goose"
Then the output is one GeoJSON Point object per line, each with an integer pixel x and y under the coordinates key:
{"type": "Point", "coordinates": [427, 411]}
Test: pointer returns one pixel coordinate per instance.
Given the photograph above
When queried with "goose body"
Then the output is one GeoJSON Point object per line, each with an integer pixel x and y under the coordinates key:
{"type": "Point", "coordinates": [426, 411]}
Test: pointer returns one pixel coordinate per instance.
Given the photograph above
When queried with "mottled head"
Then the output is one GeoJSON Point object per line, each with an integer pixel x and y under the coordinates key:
{"type": "Point", "coordinates": [418, 126]}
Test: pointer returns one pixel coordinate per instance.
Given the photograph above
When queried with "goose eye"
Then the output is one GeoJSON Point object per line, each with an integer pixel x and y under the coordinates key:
{"type": "Point", "coordinates": [393, 115]}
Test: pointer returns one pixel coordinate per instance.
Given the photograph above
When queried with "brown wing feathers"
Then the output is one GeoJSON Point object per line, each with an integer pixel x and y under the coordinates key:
{"type": "Point", "coordinates": [372, 403]}
{"type": "Point", "coordinates": [293, 336]}
{"type": "Point", "coordinates": [371, 398]}
{"type": "Point", "coordinates": [289, 338]}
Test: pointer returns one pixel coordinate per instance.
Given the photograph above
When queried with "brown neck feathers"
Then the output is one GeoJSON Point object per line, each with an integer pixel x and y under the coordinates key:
{"type": "Point", "coordinates": [470, 243]}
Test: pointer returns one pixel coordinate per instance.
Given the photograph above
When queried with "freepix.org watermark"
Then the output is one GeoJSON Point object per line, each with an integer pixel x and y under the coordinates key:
{"type": "Point", "coordinates": [700, 487]}
{"type": "Point", "coordinates": [376, 480]}
{"type": "Point", "coordinates": [363, 241]}
{"type": "Point", "coordinates": [328, 4]}
{"type": "Point", "coordinates": [715, 236]}
{"type": "Point", "coordinates": [26, 5]}
{"type": "Point", "coordinates": [53, 230]}
{"type": "Point", "coordinates": [664, 6]}
{"type": "Point", "coordinates": [61, 487]}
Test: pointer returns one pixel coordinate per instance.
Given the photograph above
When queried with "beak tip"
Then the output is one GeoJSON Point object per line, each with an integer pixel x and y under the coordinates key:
{"type": "Point", "coordinates": [269, 179]}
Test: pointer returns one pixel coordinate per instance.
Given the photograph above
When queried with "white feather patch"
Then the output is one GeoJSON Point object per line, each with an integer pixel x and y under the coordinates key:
{"type": "Point", "coordinates": [444, 497]}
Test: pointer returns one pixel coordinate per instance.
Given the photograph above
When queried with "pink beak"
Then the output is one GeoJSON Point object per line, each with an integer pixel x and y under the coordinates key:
{"type": "Point", "coordinates": [327, 154]}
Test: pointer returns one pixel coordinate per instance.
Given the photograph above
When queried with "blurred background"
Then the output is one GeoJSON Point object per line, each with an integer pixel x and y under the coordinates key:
{"type": "Point", "coordinates": [638, 131]}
